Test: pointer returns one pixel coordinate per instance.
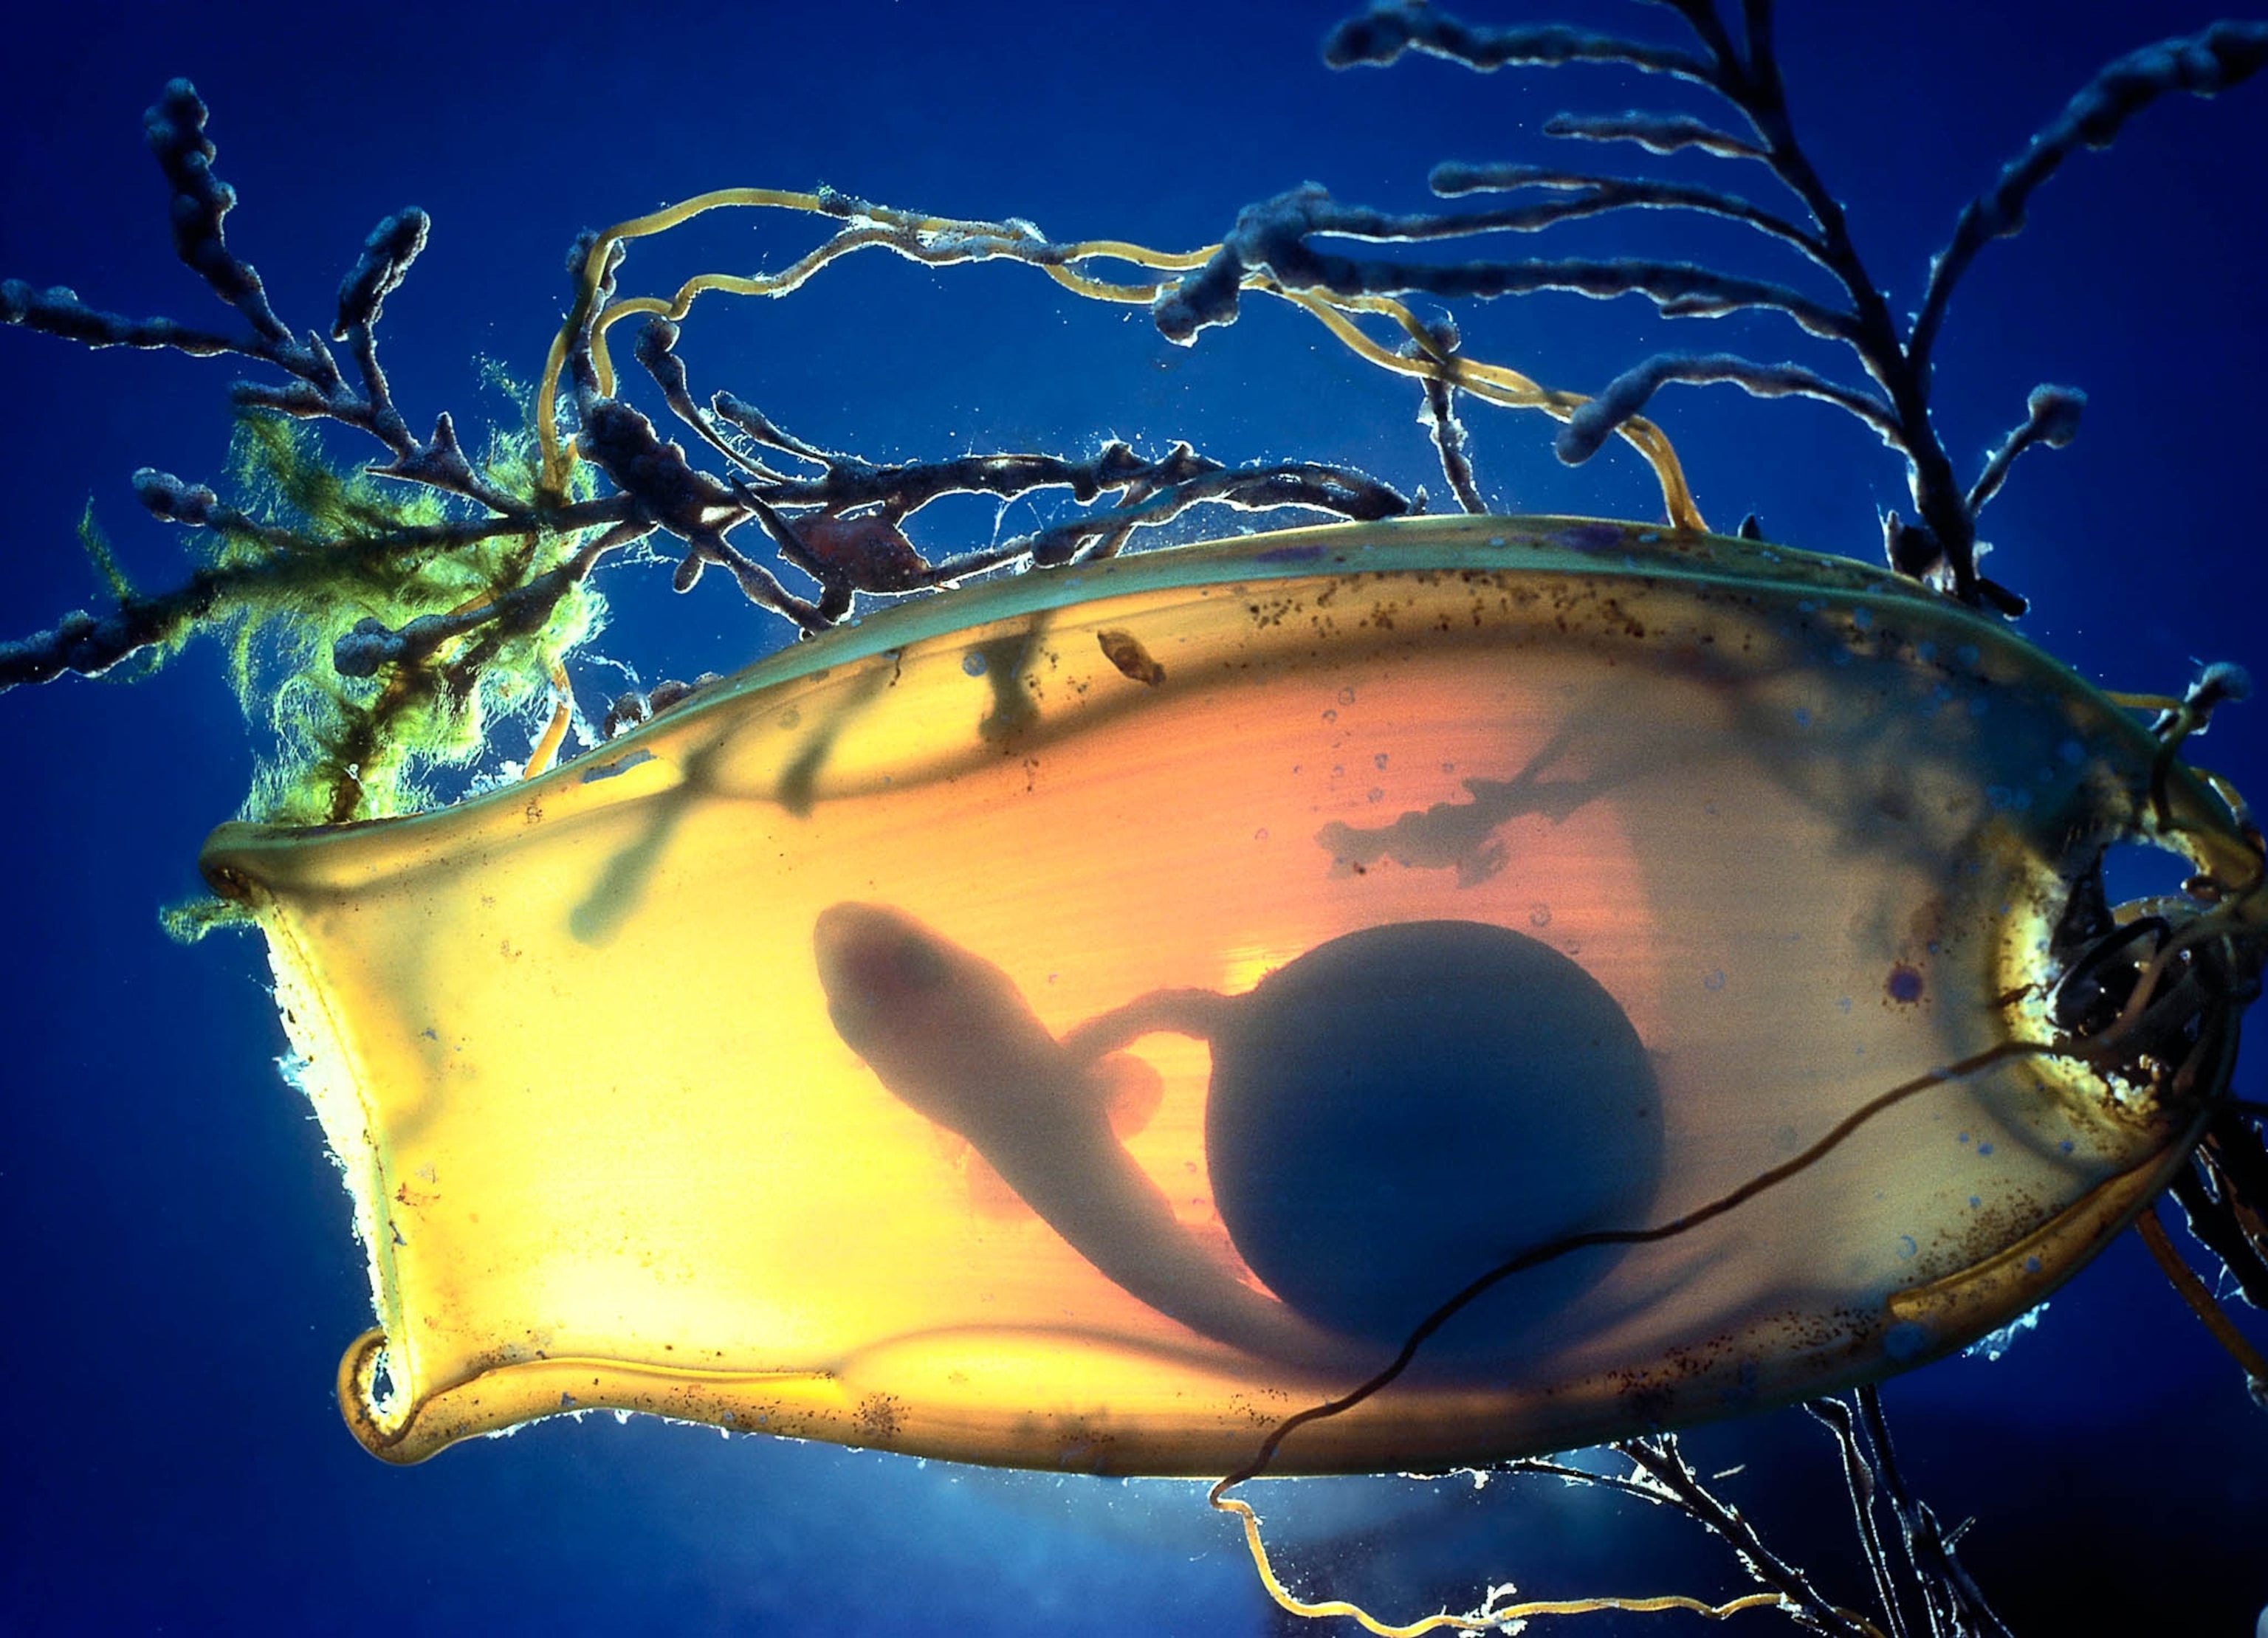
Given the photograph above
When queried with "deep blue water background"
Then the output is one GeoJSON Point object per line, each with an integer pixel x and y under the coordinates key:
{"type": "Point", "coordinates": [176, 1272]}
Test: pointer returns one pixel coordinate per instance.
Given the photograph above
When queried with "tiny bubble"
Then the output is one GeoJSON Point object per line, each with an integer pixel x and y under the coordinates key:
{"type": "Point", "coordinates": [1330, 717]}
{"type": "Point", "coordinates": [1376, 795]}
{"type": "Point", "coordinates": [1714, 981]}
{"type": "Point", "coordinates": [1378, 760]}
{"type": "Point", "coordinates": [1539, 915]}
{"type": "Point", "coordinates": [973, 661]}
{"type": "Point", "coordinates": [1346, 696]}
{"type": "Point", "coordinates": [1261, 834]}
{"type": "Point", "coordinates": [1907, 1247]}
{"type": "Point", "coordinates": [1983, 1149]}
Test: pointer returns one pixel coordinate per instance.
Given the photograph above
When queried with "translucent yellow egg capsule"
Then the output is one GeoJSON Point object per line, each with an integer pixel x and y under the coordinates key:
{"type": "Point", "coordinates": [1077, 1021]}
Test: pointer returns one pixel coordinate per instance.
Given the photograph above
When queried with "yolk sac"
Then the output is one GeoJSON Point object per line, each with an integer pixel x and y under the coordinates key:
{"type": "Point", "coordinates": [1402, 1109]}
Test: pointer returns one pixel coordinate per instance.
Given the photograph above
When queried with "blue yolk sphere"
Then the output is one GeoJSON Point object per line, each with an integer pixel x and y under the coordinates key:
{"type": "Point", "coordinates": [1402, 1109]}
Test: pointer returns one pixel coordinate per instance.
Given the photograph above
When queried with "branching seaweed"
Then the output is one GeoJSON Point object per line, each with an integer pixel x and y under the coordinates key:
{"type": "Point", "coordinates": [424, 579]}
{"type": "Point", "coordinates": [414, 595]}
{"type": "Point", "coordinates": [1276, 242]}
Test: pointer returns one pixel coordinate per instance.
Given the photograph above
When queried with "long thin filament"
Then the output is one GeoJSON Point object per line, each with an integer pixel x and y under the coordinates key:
{"type": "Point", "coordinates": [2192, 1291]}
{"type": "Point", "coordinates": [907, 234]}
{"type": "Point", "coordinates": [1491, 1616]}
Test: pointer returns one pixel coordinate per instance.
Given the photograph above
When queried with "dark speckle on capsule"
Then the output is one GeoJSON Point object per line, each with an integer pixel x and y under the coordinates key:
{"type": "Point", "coordinates": [1903, 986]}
